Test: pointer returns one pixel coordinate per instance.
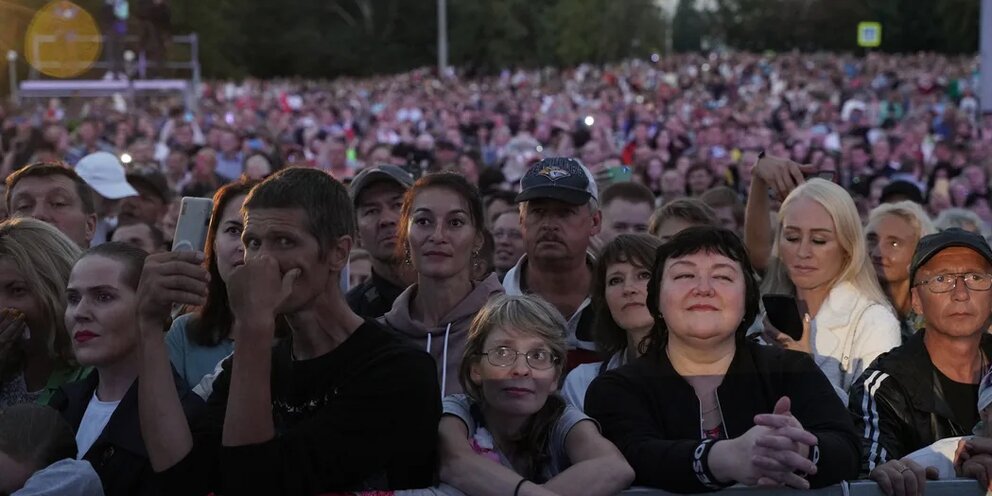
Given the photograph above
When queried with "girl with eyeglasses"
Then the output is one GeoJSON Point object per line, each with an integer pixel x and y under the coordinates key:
{"type": "Point", "coordinates": [511, 433]}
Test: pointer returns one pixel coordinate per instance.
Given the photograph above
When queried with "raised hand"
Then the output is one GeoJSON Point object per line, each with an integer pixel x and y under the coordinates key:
{"type": "Point", "coordinates": [781, 175]}
{"type": "Point", "coordinates": [167, 279]}
{"type": "Point", "coordinates": [12, 332]}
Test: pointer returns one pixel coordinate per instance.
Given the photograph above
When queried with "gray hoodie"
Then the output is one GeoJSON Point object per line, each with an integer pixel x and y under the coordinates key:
{"type": "Point", "coordinates": [446, 342]}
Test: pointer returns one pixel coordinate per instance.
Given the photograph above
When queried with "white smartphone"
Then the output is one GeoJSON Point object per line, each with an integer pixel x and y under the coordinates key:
{"type": "Point", "coordinates": [191, 228]}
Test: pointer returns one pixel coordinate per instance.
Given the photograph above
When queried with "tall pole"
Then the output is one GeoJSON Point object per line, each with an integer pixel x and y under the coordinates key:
{"type": "Point", "coordinates": [442, 37]}
{"type": "Point", "coordinates": [986, 61]}
{"type": "Point", "coordinates": [12, 73]}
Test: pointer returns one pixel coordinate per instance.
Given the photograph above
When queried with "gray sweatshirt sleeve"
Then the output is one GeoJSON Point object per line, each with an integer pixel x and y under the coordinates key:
{"type": "Point", "coordinates": [63, 478]}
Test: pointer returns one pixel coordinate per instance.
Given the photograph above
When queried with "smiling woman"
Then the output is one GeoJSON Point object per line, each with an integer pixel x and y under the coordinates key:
{"type": "Point", "coordinates": [711, 408]}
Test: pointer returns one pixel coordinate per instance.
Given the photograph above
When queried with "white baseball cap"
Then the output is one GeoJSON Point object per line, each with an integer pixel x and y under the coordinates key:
{"type": "Point", "coordinates": [103, 172]}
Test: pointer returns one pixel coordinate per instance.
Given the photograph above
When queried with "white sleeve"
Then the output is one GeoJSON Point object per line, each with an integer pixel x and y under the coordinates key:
{"type": "Point", "coordinates": [877, 332]}
{"type": "Point", "coordinates": [63, 478]}
{"type": "Point", "coordinates": [206, 386]}
{"type": "Point", "coordinates": [577, 382]}
{"type": "Point", "coordinates": [939, 455]}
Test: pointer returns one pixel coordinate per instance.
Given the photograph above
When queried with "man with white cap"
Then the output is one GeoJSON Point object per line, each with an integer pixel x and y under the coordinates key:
{"type": "Point", "coordinates": [928, 388]}
{"type": "Point", "coordinates": [559, 215]}
{"type": "Point", "coordinates": [103, 172]}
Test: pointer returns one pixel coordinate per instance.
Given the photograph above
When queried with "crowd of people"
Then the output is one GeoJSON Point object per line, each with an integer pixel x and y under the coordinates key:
{"type": "Point", "coordinates": [687, 274]}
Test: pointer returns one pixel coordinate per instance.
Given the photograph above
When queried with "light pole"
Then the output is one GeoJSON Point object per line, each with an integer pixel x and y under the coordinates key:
{"type": "Point", "coordinates": [12, 72]}
{"type": "Point", "coordinates": [985, 48]}
{"type": "Point", "coordinates": [442, 37]}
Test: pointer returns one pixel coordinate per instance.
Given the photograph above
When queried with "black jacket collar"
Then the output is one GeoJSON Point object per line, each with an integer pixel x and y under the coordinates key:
{"type": "Point", "coordinates": [123, 430]}
{"type": "Point", "coordinates": [911, 366]}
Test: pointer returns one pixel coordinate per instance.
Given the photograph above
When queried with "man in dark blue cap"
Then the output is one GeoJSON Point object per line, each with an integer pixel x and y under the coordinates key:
{"type": "Point", "coordinates": [559, 214]}
{"type": "Point", "coordinates": [927, 389]}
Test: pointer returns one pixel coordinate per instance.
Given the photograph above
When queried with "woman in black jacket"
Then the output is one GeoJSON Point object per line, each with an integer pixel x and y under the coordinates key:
{"type": "Point", "coordinates": [103, 409]}
{"type": "Point", "coordinates": [703, 408]}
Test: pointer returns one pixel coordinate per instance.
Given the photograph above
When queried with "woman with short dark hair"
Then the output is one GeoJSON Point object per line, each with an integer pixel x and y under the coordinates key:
{"type": "Point", "coordinates": [704, 408]}
{"type": "Point", "coordinates": [621, 319]}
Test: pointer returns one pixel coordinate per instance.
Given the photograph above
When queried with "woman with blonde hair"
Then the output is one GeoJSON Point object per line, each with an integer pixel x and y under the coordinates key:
{"type": "Point", "coordinates": [511, 433]}
{"type": "Point", "coordinates": [35, 352]}
{"type": "Point", "coordinates": [820, 257]}
{"type": "Point", "coordinates": [892, 233]}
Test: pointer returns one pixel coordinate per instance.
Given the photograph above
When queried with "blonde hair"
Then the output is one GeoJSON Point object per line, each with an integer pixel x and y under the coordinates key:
{"type": "Point", "coordinates": [857, 268]}
{"type": "Point", "coordinates": [906, 210]}
{"type": "Point", "coordinates": [45, 258]}
{"type": "Point", "coordinates": [532, 315]}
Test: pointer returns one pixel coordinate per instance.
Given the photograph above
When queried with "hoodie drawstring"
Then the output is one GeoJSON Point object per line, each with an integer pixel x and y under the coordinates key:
{"type": "Point", "coordinates": [444, 358]}
{"type": "Point", "coordinates": [444, 363]}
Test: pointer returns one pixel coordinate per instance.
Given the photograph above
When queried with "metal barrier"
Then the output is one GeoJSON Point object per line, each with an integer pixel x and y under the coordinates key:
{"type": "Point", "coordinates": [956, 487]}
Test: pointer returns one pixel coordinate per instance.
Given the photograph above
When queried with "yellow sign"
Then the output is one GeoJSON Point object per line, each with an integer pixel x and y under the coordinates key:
{"type": "Point", "coordinates": [62, 40]}
{"type": "Point", "coordinates": [869, 34]}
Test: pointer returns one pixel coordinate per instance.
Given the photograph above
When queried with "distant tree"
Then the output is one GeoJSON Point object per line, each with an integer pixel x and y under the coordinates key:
{"type": "Point", "coordinates": [687, 27]}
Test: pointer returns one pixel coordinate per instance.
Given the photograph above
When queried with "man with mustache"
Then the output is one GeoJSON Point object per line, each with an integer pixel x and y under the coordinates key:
{"type": "Point", "coordinates": [377, 193]}
{"type": "Point", "coordinates": [927, 389]}
{"type": "Point", "coordinates": [559, 214]}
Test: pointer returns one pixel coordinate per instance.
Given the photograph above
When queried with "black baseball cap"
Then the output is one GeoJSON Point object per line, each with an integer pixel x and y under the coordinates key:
{"type": "Point", "coordinates": [558, 178]}
{"type": "Point", "coordinates": [370, 175]}
{"type": "Point", "coordinates": [150, 181]}
{"type": "Point", "coordinates": [901, 190]}
{"type": "Point", "coordinates": [932, 244]}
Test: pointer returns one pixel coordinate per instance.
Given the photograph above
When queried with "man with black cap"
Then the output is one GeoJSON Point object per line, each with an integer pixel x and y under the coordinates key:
{"type": "Point", "coordinates": [900, 190]}
{"type": "Point", "coordinates": [559, 214]}
{"type": "Point", "coordinates": [152, 201]}
{"type": "Point", "coordinates": [927, 389]}
{"type": "Point", "coordinates": [377, 193]}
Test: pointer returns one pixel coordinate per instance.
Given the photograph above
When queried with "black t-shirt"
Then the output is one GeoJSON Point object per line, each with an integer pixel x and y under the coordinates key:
{"type": "Point", "coordinates": [962, 398]}
{"type": "Point", "coordinates": [362, 417]}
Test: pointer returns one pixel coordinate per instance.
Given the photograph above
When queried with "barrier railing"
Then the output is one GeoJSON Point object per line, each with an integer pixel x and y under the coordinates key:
{"type": "Point", "coordinates": [955, 487]}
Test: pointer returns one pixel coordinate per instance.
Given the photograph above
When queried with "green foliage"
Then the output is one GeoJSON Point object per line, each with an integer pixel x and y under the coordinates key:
{"type": "Point", "coordinates": [907, 25]}
{"type": "Point", "coordinates": [687, 27]}
{"type": "Point", "coordinates": [364, 37]}
{"type": "Point", "coordinates": [329, 38]}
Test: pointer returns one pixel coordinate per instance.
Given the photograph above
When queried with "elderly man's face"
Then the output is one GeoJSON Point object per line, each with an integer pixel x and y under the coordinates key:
{"type": "Point", "coordinates": [962, 311]}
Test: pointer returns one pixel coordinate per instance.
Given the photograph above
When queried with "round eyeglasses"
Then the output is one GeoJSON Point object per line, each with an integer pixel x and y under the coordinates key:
{"type": "Point", "coordinates": [942, 283]}
{"type": "Point", "coordinates": [504, 356]}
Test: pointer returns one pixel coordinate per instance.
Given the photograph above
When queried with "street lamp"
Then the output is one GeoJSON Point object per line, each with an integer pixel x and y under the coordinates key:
{"type": "Point", "coordinates": [12, 73]}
